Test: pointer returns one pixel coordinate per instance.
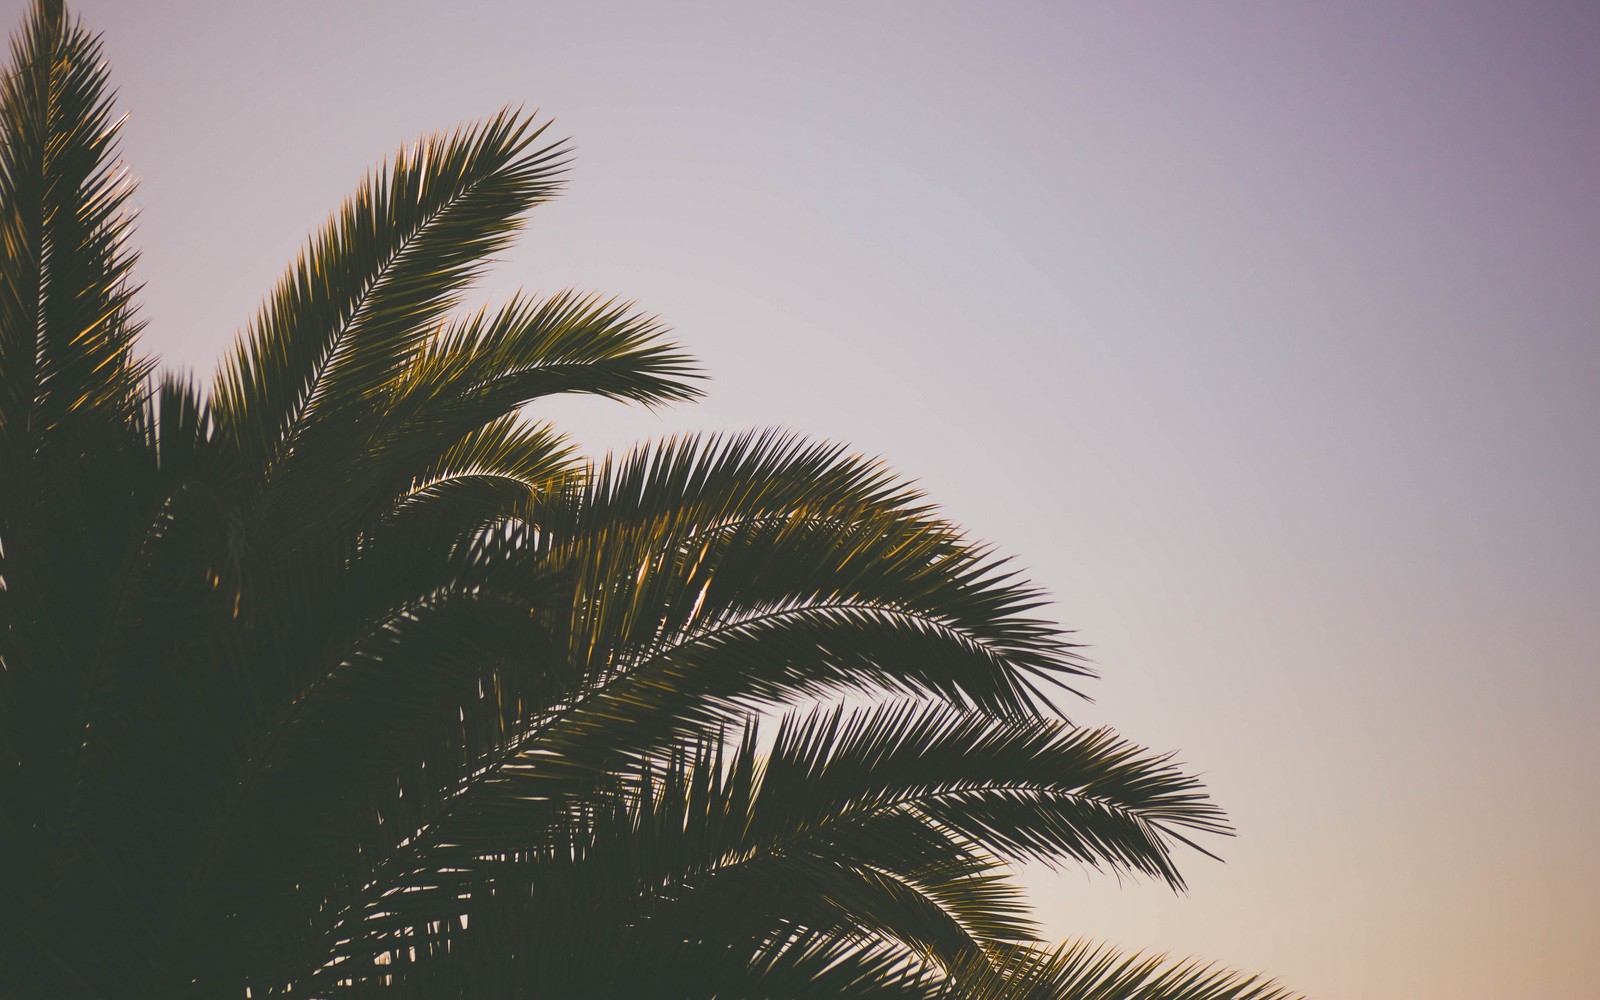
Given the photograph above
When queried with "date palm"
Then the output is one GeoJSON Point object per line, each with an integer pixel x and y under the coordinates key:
{"type": "Point", "coordinates": [345, 676]}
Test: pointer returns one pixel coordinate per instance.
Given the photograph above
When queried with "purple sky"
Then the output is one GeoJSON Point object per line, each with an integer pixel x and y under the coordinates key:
{"type": "Point", "coordinates": [1266, 335]}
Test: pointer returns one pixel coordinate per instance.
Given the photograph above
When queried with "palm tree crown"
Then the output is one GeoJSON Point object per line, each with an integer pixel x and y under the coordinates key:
{"type": "Point", "coordinates": [345, 676]}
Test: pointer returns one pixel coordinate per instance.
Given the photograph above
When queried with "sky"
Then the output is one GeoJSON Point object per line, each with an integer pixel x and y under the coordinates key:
{"type": "Point", "coordinates": [1265, 336]}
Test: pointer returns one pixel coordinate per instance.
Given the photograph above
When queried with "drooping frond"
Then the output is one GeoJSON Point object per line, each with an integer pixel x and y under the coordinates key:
{"type": "Point", "coordinates": [530, 348]}
{"type": "Point", "coordinates": [1036, 791]}
{"type": "Point", "coordinates": [810, 963]}
{"type": "Point", "coordinates": [467, 377]}
{"type": "Point", "coordinates": [1084, 970]}
{"type": "Point", "coordinates": [713, 576]}
{"type": "Point", "coordinates": [890, 824]}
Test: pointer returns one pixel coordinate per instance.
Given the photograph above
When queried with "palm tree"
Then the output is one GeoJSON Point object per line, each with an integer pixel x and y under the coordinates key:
{"type": "Point", "coordinates": [342, 676]}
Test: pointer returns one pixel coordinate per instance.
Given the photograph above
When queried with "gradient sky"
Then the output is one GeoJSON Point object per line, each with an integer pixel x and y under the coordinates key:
{"type": "Point", "coordinates": [1265, 335]}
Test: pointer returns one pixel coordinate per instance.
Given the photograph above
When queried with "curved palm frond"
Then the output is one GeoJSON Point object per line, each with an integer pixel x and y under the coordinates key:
{"type": "Point", "coordinates": [890, 823]}
{"type": "Point", "coordinates": [717, 575]}
{"type": "Point", "coordinates": [343, 321]}
{"type": "Point", "coordinates": [1084, 970]}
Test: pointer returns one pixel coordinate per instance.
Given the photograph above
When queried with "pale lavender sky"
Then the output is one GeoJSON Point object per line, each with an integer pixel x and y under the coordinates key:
{"type": "Point", "coordinates": [1266, 335]}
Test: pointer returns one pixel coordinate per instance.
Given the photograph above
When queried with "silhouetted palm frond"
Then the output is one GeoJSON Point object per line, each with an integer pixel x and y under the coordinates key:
{"type": "Point", "coordinates": [1083, 970]}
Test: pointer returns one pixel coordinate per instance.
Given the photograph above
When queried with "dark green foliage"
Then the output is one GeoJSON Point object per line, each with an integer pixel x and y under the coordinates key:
{"type": "Point", "coordinates": [342, 676]}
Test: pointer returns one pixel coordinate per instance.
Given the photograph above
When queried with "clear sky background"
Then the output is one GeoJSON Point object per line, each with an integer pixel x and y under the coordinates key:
{"type": "Point", "coordinates": [1265, 335]}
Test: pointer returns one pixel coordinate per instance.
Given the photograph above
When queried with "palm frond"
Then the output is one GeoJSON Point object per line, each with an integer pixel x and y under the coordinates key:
{"type": "Point", "coordinates": [889, 821]}
{"type": "Point", "coordinates": [1037, 791]}
{"type": "Point", "coordinates": [529, 348]}
{"type": "Point", "coordinates": [465, 384]}
{"type": "Point", "coordinates": [715, 576]}
{"type": "Point", "coordinates": [1084, 970]}
{"type": "Point", "coordinates": [67, 327]}
{"type": "Point", "coordinates": [342, 324]}
{"type": "Point", "coordinates": [811, 963]}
